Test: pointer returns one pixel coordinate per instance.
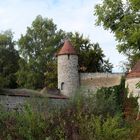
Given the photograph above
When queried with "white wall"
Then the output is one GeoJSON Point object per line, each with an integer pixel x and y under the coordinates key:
{"type": "Point", "coordinates": [131, 84]}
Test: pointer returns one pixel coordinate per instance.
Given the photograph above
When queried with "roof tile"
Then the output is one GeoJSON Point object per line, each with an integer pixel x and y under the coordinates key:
{"type": "Point", "coordinates": [67, 49]}
{"type": "Point", "coordinates": [135, 72]}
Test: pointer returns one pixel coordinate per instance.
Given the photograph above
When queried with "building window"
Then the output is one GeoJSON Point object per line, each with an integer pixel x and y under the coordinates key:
{"type": "Point", "coordinates": [62, 85]}
{"type": "Point", "coordinates": [68, 56]}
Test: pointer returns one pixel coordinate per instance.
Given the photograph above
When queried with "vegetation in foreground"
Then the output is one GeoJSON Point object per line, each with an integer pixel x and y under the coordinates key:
{"type": "Point", "coordinates": [98, 116]}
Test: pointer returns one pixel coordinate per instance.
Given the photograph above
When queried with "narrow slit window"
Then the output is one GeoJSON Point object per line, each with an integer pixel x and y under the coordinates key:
{"type": "Point", "coordinates": [62, 85]}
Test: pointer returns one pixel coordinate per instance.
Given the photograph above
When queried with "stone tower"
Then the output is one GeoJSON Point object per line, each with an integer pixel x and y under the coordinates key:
{"type": "Point", "coordinates": [68, 76]}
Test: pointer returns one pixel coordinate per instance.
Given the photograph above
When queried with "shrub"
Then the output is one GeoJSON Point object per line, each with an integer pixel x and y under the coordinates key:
{"type": "Point", "coordinates": [30, 125]}
{"type": "Point", "coordinates": [96, 116]}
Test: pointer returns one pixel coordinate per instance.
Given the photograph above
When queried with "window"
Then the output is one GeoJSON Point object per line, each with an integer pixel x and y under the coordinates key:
{"type": "Point", "coordinates": [62, 85]}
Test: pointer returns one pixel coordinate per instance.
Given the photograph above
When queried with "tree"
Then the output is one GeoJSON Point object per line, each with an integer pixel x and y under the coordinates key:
{"type": "Point", "coordinates": [9, 58]}
{"type": "Point", "coordinates": [37, 47]}
{"type": "Point", "coordinates": [91, 56]}
{"type": "Point", "coordinates": [123, 19]}
{"type": "Point", "coordinates": [51, 75]}
{"type": "Point", "coordinates": [107, 66]}
{"type": "Point", "coordinates": [27, 77]}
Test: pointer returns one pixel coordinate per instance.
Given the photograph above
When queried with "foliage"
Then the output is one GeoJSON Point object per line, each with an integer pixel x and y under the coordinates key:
{"type": "Point", "coordinates": [138, 85]}
{"type": "Point", "coordinates": [91, 56]}
{"type": "Point", "coordinates": [123, 19]}
{"type": "Point", "coordinates": [30, 125]}
{"type": "Point", "coordinates": [25, 126]}
{"type": "Point", "coordinates": [107, 66]}
{"type": "Point", "coordinates": [51, 75]}
{"type": "Point", "coordinates": [103, 129]}
{"type": "Point", "coordinates": [37, 47]}
{"type": "Point", "coordinates": [82, 117]}
{"type": "Point", "coordinates": [8, 60]}
{"type": "Point", "coordinates": [118, 94]}
{"type": "Point", "coordinates": [135, 130]}
{"type": "Point", "coordinates": [27, 77]}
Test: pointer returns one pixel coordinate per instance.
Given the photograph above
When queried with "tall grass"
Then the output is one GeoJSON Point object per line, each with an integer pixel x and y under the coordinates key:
{"type": "Point", "coordinates": [96, 116]}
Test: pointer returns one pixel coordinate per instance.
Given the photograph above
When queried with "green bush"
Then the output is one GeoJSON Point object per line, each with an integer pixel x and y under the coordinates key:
{"type": "Point", "coordinates": [96, 116]}
{"type": "Point", "coordinates": [30, 125]}
{"type": "Point", "coordinates": [88, 117]}
{"type": "Point", "coordinates": [94, 128]}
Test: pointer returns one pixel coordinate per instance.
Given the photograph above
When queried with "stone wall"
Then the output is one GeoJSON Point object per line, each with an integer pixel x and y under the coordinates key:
{"type": "Point", "coordinates": [131, 84]}
{"type": "Point", "coordinates": [39, 103]}
{"type": "Point", "coordinates": [92, 81]}
{"type": "Point", "coordinates": [12, 102]}
{"type": "Point", "coordinates": [132, 90]}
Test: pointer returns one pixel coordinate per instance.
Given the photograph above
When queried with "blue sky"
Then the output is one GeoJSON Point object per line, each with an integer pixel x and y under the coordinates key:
{"type": "Point", "coordinates": [69, 15]}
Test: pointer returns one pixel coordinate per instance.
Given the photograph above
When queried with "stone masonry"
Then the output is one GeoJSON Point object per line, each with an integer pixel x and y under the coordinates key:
{"type": "Point", "coordinates": [68, 76]}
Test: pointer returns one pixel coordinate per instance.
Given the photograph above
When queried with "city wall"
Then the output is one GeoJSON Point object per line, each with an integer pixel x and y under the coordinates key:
{"type": "Point", "coordinates": [92, 81]}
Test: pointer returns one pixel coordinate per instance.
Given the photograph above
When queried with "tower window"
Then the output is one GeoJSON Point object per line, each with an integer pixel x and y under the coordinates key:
{"type": "Point", "coordinates": [62, 85]}
{"type": "Point", "coordinates": [68, 56]}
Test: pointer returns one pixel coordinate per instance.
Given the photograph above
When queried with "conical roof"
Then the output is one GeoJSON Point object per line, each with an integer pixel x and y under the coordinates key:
{"type": "Point", "coordinates": [67, 49]}
{"type": "Point", "coordinates": [135, 72]}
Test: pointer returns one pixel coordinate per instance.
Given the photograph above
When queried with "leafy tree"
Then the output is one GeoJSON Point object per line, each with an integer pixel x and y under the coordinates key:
{"type": "Point", "coordinates": [37, 47]}
{"type": "Point", "coordinates": [8, 60]}
{"type": "Point", "coordinates": [91, 56]}
{"type": "Point", "coordinates": [107, 66]}
{"type": "Point", "coordinates": [51, 75]}
{"type": "Point", "coordinates": [123, 19]}
{"type": "Point", "coordinates": [26, 77]}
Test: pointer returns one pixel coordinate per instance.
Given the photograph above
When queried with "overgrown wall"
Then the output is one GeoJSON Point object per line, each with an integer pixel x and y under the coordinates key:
{"type": "Point", "coordinates": [12, 102]}
{"type": "Point", "coordinates": [40, 103]}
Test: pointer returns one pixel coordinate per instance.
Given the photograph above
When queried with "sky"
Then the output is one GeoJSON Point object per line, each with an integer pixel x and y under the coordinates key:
{"type": "Point", "coordinates": [68, 15]}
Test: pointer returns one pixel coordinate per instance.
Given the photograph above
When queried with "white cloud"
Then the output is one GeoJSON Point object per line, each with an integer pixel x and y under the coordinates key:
{"type": "Point", "coordinates": [68, 15]}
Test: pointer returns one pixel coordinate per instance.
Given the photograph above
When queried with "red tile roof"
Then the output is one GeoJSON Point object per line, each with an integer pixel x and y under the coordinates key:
{"type": "Point", "coordinates": [136, 68]}
{"type": "Point", "coordinates": [67, 49]}
{"type": "Point", "coordinates": [135, 71]}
